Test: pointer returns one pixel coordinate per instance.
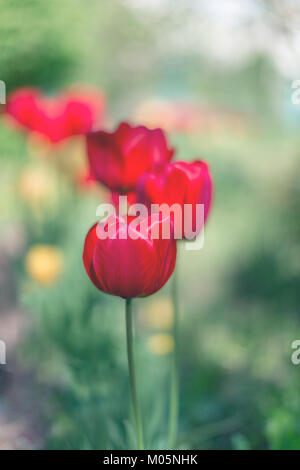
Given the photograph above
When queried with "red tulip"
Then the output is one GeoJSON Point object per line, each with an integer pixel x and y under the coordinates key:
{"type": "Point", "coordinates": [131, 261]}
{"type": "Point", "coordinates": [184, 184]}
{"type": "Point", "coordinates": [72, 113]}
{"type": "Point", "coordinates": [85, 180]}
{"type": "Point", "coordinates": [118, 159]}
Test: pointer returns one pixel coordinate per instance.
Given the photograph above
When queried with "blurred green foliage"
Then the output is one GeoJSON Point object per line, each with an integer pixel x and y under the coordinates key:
{"type": "Point", "coordinates": [239, 296]}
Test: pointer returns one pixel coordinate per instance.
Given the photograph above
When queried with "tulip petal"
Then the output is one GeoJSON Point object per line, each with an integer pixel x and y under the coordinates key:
{"type": "Point", "coordinates": [105, 159]}
{"type": "Point", "coordinates": [130, 262]}
{"type": "Point", "coordinates": [88, 254]}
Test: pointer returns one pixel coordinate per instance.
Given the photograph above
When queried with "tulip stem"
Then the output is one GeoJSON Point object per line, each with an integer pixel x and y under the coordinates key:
{"type": "Point", "coordinates": [174, 386]}
{"type": "Point", "coordinates": [130, 356]}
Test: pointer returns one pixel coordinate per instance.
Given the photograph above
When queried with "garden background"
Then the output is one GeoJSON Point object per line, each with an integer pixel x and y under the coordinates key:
{"type": "Point", "coordinates": [216, 75]}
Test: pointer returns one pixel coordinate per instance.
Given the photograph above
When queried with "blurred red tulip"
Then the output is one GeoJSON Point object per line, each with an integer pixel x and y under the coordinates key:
{"type": "Point", "coordinates": [180, 183]}
{"type": "Point", "coordinates": [74, 112]}
{"type": "Point", "coordinates": [131, 262]}
{"type": "Point", "coordinates": [118, 159]}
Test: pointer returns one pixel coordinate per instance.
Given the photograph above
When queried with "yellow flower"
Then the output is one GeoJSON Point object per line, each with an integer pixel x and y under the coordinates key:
{"type": "Point", "coordinates": [44, 264]}
{"type": "Point", "coordinates": [36, 185]}
{"type": "Point", "coordinates": [159, 313]}
{"type": "Point", "coordinates": [160, 344]}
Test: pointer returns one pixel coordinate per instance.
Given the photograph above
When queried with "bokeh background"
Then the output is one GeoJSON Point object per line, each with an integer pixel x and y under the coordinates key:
{"type": "Point", "coordinates": [216, 75]}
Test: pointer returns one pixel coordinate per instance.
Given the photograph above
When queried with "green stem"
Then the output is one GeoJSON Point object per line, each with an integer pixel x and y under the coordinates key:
{"type": "Point", "coordinates": [174, 386]}
{"type": "Point", "coordinates": [129, 336]}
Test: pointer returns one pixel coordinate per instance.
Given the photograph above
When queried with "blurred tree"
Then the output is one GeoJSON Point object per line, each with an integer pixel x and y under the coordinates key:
{"type": "Point", "coordinates": [120, 49]}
